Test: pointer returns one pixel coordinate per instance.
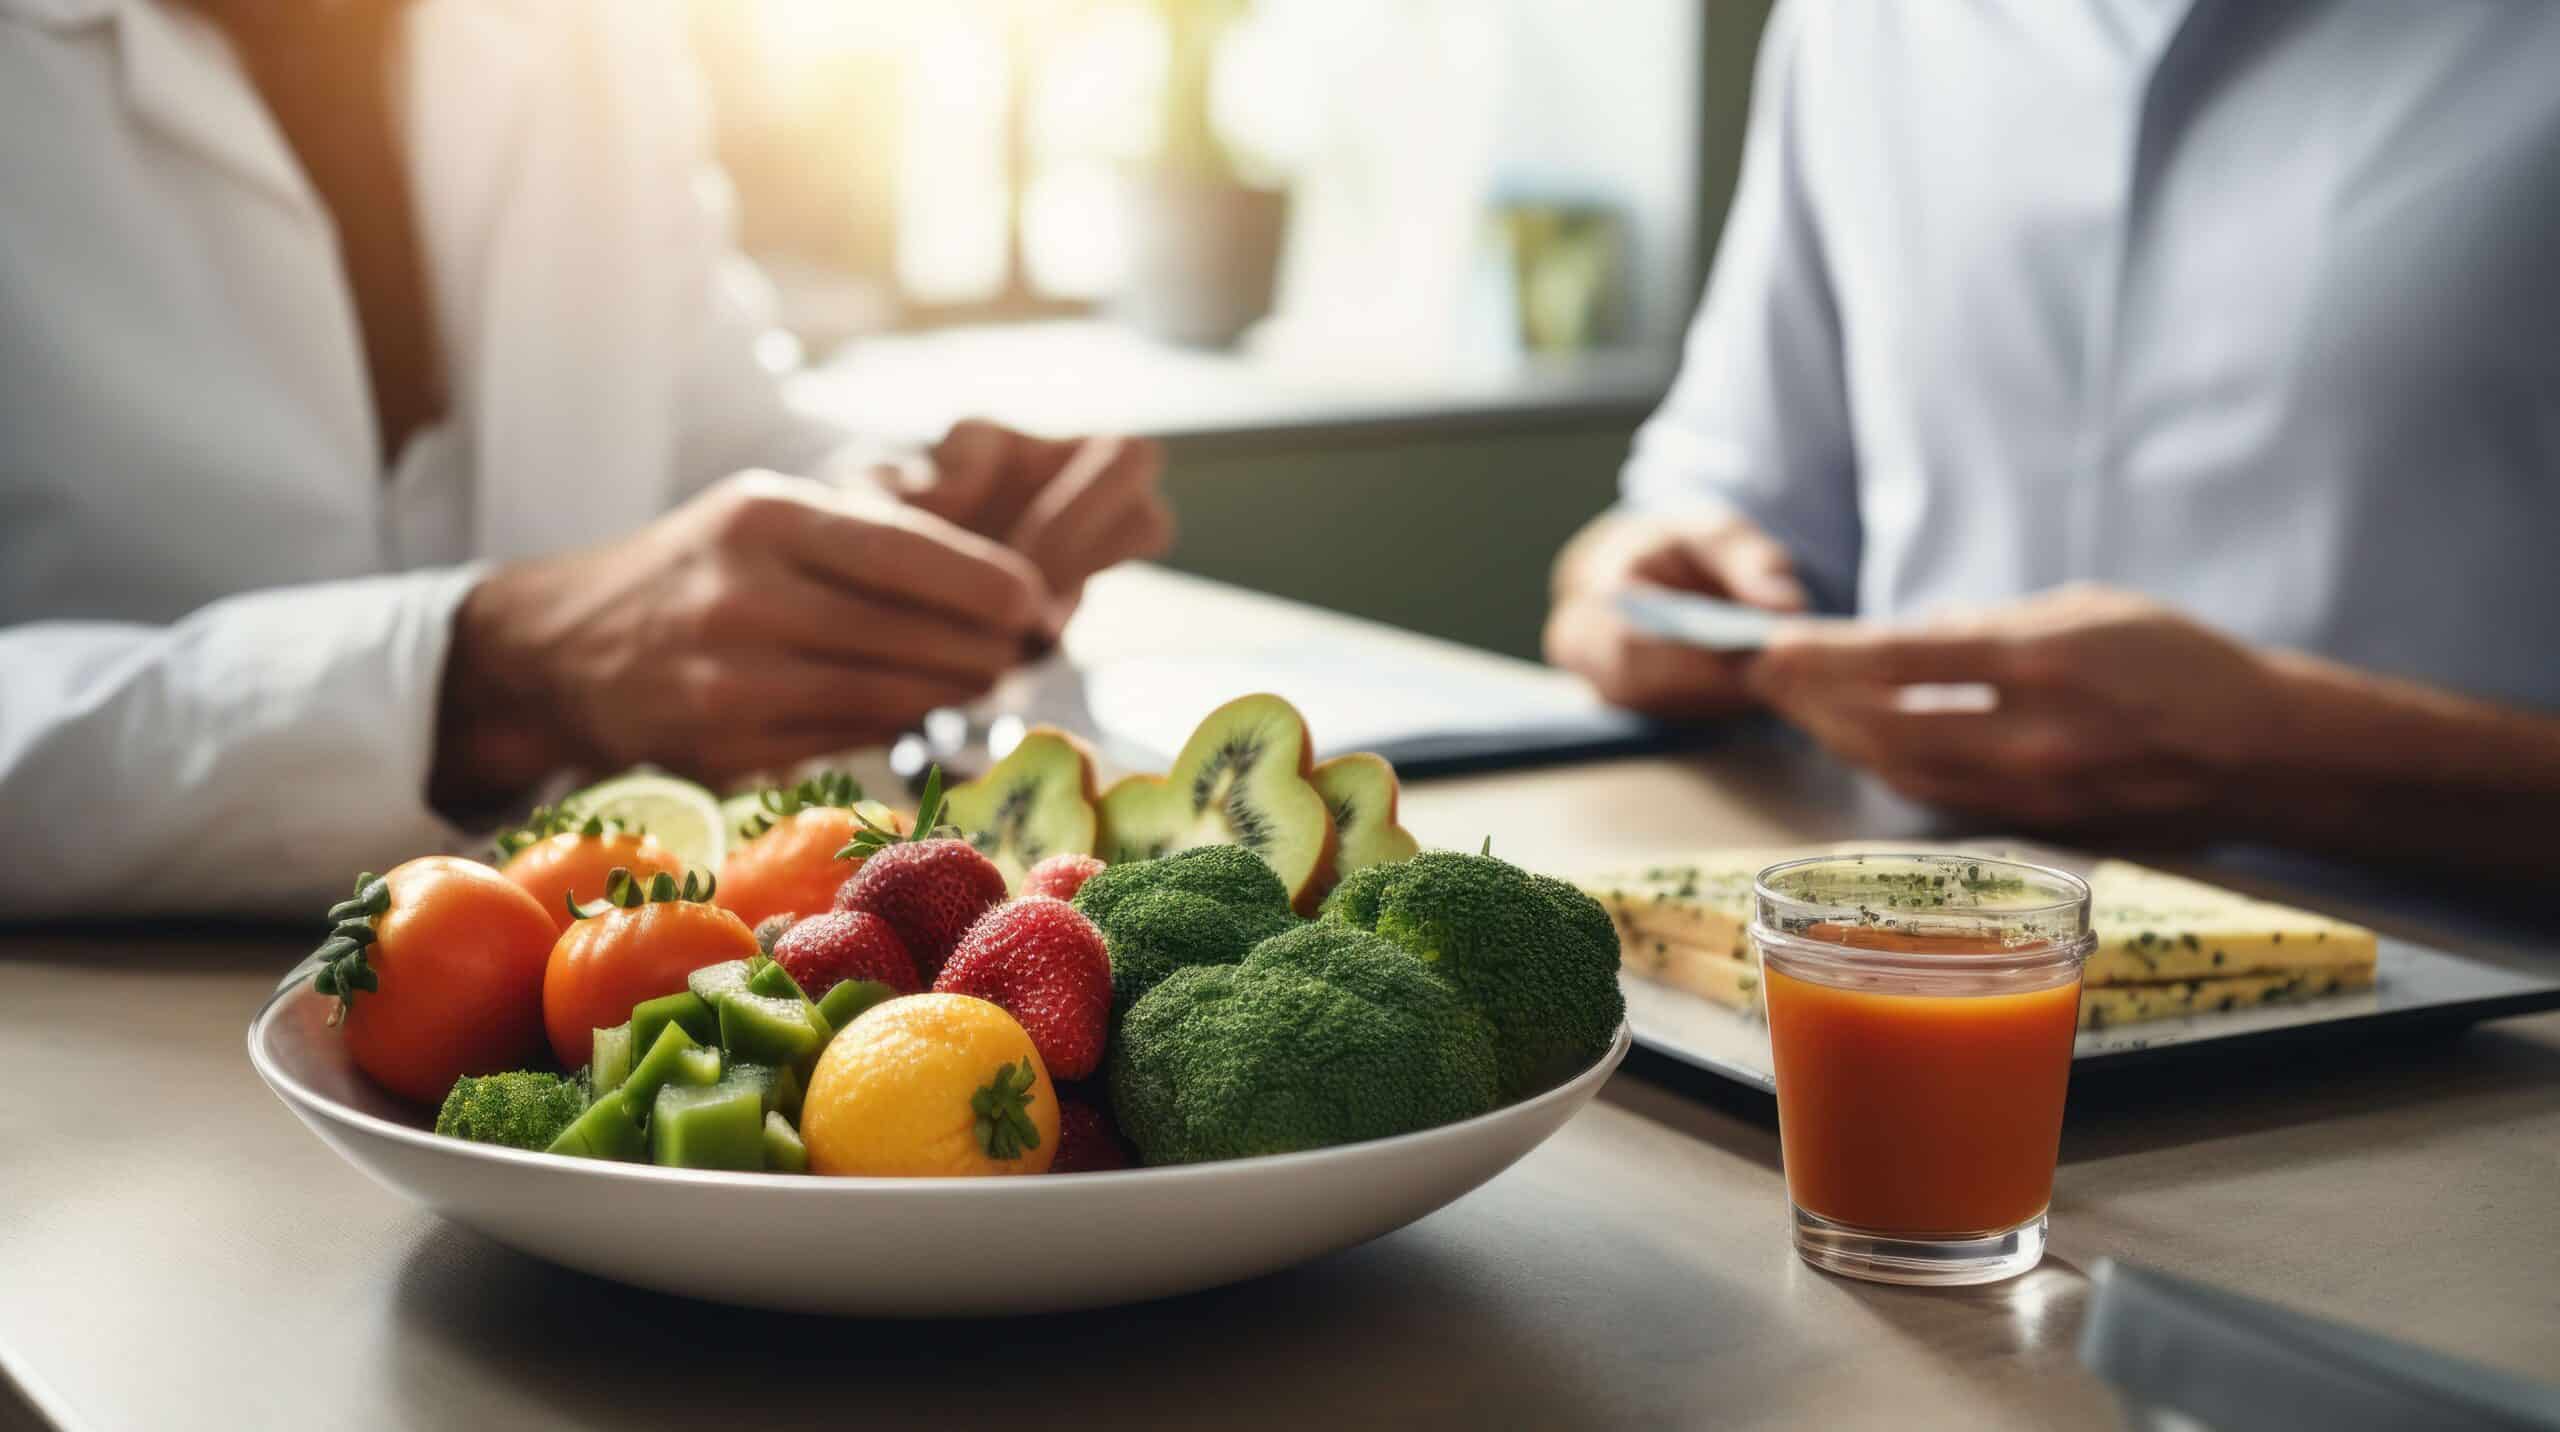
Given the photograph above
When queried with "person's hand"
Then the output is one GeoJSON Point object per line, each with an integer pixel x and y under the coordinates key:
{"type": "Point", "coordinates": [768, 620]}
{"type": "Point", "coordinates": [1713, 554]}
{"type": "Point", "coordinates": [1073, 506]}
{"type": "Point", "coordinates": [2102, 707]}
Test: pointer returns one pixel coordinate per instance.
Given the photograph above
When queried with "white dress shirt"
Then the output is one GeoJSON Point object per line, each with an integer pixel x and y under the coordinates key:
{"type": "Point", "coordinates": [2252, 305]}
{"type": "Point", "coordinates": [223, 612]}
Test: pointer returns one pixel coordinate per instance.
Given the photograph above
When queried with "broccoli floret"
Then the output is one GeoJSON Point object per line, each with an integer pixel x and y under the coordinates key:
{"type": "Point", "coordinates": [1536, 956]}
{"type": "Point", "coordinates": [1156, 932]}
{"type": "Point", "coordinates": [1200, 907]}
{"type": "Point", "coordinates": [1229, 874]}
{"type": "Point", "coordinates": [1580, 910]}
{"type": "Point", "coordinates": [522, 1110]}
{"type": "Point", "coordinates": [1322, 1035]}
{"type": "Point", "coordinates": [1355, 900]}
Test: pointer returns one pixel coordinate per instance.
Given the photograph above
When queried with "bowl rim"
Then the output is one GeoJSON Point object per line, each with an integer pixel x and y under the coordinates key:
{"type": "Point", "coordinates": [301, 1096]}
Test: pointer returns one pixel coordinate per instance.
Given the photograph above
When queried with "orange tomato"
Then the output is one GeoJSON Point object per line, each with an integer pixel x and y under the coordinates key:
{"type": "Point", "coordinates": [792, 868]}
{"type": "Point", "coordinates": [457, 962]}
{"type": "Point", "coordinates": [572, 866]}
{"type": "Point", "coordinates": [606, 963]}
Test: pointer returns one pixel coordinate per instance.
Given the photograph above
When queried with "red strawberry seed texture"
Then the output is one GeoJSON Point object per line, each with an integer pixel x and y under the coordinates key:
{"type": "Point", "coordinates": [824, 951]}
{"type": "Point", "coordinates": [1041, 961]}
{"type": "Point", "coordinates": [930, 892]}
{"type": "Point", "coordinates": [1088, 1142]}
{"type": "Point", "coordinates": [771, 929]}
{"type": "Point", "coordinates": [1061, 875]}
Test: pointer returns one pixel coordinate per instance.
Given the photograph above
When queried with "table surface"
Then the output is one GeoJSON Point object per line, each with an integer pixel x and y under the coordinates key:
{"type": "Point", "coordinates": [176, 1251]}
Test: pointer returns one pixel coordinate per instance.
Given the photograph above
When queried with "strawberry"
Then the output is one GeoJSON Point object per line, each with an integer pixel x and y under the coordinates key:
{"type": "Point", "coordinates": [1060, 875]}
{"type": "Point", "coordinates": [930, 888]}
{"type": "Point", "coordinates": [771, 929]}
{"type": "Point", "coordinates": [823, 951]}
{"type": "Point", "coordinates": [1041, 961]}
{"type": "Point", "coordinates": [1088, 1142]}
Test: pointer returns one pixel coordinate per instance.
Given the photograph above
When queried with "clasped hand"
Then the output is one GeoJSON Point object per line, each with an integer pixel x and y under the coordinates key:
{"type": "Point", "coordinates": [773, 618]}
{"type": "Point", "coordinates": [2103, 707]}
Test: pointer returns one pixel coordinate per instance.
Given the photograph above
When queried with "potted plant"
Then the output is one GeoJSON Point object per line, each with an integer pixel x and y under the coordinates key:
{"type": "Point", "coordinates": [1204, 242]}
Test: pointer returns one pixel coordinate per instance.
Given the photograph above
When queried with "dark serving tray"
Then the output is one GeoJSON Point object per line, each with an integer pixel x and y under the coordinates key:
{"type": "Point", "coordinates": [2415, 986]}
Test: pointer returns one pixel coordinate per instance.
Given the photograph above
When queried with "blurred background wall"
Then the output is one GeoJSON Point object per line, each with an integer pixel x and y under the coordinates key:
{"type": "Point", "coordinates": [1447, 527]}
{"type": "Point", "coordinates": [1396, 279]}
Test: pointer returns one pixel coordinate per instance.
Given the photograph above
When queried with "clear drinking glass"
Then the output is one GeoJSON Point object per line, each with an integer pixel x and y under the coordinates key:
{"type": "Point", "coordinates": [1921, 1013]}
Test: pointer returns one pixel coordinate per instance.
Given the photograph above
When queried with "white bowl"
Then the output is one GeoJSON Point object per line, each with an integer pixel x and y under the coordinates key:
{"type": "Point", "coordinates": [889, 1247]}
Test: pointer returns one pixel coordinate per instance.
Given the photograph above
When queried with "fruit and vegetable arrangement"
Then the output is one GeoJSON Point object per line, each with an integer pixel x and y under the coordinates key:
{"type": "Point", "coordinates": [1026, 974]}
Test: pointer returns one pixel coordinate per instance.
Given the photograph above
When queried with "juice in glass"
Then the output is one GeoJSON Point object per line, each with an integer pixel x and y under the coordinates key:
{"type": "Point", "coordinates": [1921, 1014]}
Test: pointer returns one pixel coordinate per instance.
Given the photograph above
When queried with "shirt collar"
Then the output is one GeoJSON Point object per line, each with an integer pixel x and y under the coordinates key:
{"type": "Point", "coordinates": [180, 77]}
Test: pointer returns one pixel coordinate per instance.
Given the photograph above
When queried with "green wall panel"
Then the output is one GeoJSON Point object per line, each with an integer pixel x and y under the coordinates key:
{"type": "Point", "coordinates": [1447, 533]}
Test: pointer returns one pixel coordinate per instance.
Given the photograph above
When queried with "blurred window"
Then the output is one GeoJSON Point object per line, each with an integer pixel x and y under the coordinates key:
{"type": "Point", "coordinates": [1416, 185]}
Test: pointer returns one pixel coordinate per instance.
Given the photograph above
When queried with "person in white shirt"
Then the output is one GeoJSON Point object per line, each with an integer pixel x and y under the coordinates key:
{"type": "Point", "coordinates": [2188, 374]}
{"type": "Point", "coordinates": [382, 428]}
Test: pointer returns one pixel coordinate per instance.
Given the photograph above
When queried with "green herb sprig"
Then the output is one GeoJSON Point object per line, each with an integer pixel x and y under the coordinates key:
{"type": "Point", "coordinates": [625, 891]}
{"type": "Point", "coordinates": [836, 789]}
{"type": "Point", "coordinates": [343, 966]}
{"type": "Point", "coordinates": [875, 837]}
{"type": "Point", "coordinates": [548, 821]}
{"type": "Point", "coordinates": [1003, 1107]}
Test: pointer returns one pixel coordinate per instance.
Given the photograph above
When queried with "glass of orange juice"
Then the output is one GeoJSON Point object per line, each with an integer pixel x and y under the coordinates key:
{"type": "Point", "coordinates": [1921, 1012]}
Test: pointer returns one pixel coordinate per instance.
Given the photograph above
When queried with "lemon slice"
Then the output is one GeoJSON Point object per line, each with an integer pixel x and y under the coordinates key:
{"type": "Point", "coordinates": [684, 817]}
{"type": "Point", "coordinates": [736, 811]}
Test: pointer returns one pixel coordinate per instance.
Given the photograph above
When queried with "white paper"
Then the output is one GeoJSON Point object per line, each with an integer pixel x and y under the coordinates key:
{"type": "Point", "coordinates": [1351, 702]}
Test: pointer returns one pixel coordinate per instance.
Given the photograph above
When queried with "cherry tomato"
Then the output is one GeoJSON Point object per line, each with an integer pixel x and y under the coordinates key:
{"type": "Point", "coordinates": [606, 963]}
{"type": "Point", "coordinates": [573, 865]}
{"type": "Point", "coordinates": [792, 868]}
{"type": "Point", "coordinates": [450, 982]}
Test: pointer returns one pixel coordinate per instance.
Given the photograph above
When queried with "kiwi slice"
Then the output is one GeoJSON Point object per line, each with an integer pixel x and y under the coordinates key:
{"type": "Point", "coordinates": [1035, 803]}
{"type": "Point", "coordinates": [1360, 790]}
{"type": "Point", "coordinates": [1242, 779]}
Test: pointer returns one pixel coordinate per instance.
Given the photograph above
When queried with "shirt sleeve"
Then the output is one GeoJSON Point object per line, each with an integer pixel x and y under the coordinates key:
{"type": "Point", "coordinates": [249, 759]}
{"type": "Point", "coordinates": [1758, 418]}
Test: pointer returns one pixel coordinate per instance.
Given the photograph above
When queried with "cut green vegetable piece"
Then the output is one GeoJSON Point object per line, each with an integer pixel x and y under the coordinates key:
{"type": "Point", "coordinates": [605, 1131]}
{"type": "Point", "coordinates": [850, 998]}
{"type": "Point", "coordinates": [673, 1058]}
{"type": "Point", "coordinates": [712, 983]}
{"type": "Point", "coordinates": [719, 1126]}
{"type": "Point", "coordinates": [783, 1151]}
{"type": "Point", "coordinates": [760, 1075]}
{"type": "Point", "coordinates": [684, 1007]}
{"type": "Point", "coordinates": [781, 1085]}
{"type": "Point", "coordinates": [763, 1029]}
{"type": "Point", "coordinates": [612, 1062]}
{"type": "Point", "coordinates": [773, 981]}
